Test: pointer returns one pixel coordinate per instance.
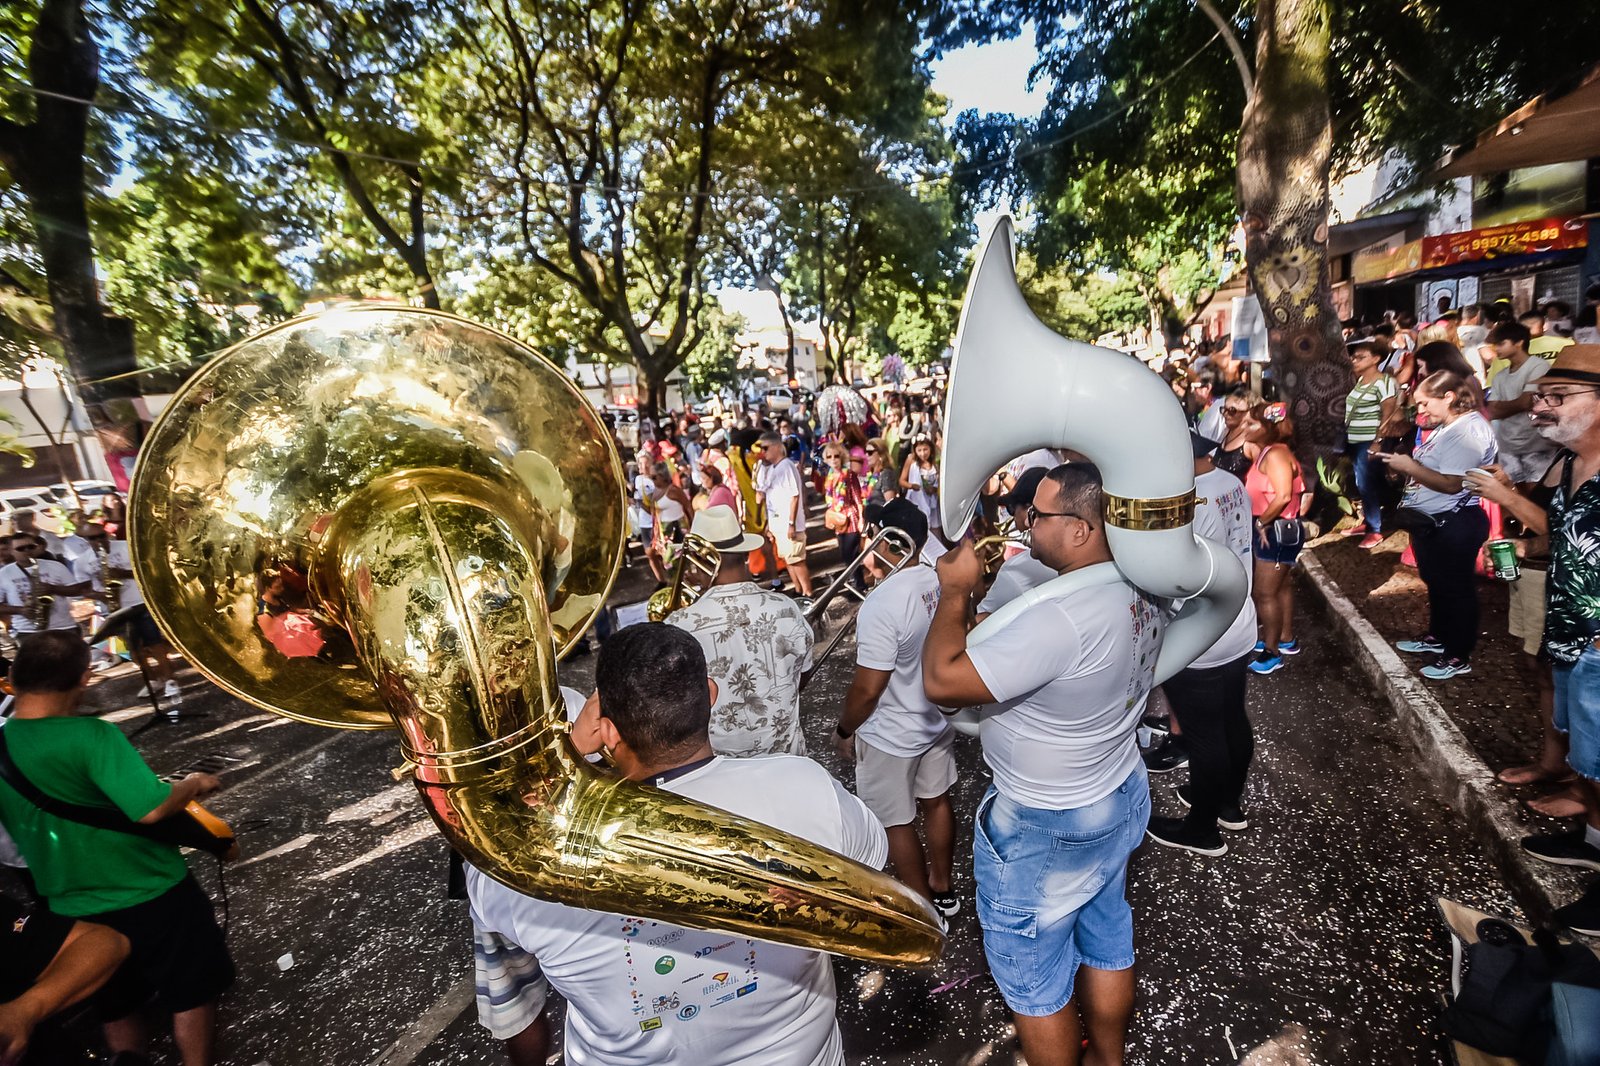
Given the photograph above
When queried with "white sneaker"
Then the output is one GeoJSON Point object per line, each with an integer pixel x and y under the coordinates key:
{"type": "Point", "coordinates": [144, 690]}
{"type": "Point", "coordinates": [172, 693]}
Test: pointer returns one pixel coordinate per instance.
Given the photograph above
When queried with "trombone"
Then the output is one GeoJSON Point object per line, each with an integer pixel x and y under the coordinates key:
{"type": "Point", "coordinates": [704, 557]}
{"type": "Point", "coordinates": [899, 541]}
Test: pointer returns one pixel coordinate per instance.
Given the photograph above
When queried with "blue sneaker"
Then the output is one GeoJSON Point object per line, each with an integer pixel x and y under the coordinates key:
{"type": "Point", "coordinates": [1266, 664]}
{"type": "Point", "coordinates": [1261, 646]}
{"type": "Point", "coordinates": [1290, 648]}
{"type": "Point", "coordinates": [1423, 645]}
{"type": "Point", "coordinates": [1445, 667]}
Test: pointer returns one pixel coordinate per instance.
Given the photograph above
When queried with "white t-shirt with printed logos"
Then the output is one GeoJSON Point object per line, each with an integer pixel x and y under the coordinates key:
{"type": "Point", "coordinates": [1070, 677]}
{"type": "Point", "coordinates": [781, 483]}
{"type": "Point", "coordinates": [641, 992]}
{"type": "Point", "coordinates": [890, 630]}
{"type": "Point", "coordinates": [17, 587]}
{"type": "Point", "coordinates": [1223, 515]}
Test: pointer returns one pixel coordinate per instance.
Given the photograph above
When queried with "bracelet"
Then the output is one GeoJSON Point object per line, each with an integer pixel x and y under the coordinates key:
{"type": "Point", "coordinates": [839, 732]}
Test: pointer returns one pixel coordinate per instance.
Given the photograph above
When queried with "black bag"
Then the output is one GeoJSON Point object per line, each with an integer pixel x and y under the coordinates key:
{"type": "Point", "coordinates": [1504, 1006]}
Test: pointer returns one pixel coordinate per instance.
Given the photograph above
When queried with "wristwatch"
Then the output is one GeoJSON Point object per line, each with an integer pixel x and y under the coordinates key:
{"type": "Point", "coordinates": [839, 732]}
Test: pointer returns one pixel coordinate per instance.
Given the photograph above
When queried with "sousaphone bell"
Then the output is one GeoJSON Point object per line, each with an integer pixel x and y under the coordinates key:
{"type": "Point", "coordinates": [393, 518]}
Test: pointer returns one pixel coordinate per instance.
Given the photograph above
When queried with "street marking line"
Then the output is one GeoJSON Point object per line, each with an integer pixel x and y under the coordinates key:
{"type": "Point", "coordinates": [414, 833]}
{"type": "Point", "coordinates": [401, 796]}
{"type": "Point", "coordinates": [282, 849]}
{"type": "Point", "coordinates": [434, 1021]}
{"type": "Point", "coordinates": [247, 720]}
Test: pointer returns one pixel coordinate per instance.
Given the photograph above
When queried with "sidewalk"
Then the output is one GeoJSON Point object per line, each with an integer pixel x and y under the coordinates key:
{"type": "Point", "coordinates": [1465, 729]}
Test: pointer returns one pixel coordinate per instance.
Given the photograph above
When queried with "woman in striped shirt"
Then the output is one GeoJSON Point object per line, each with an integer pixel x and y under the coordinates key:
{"type": "Point", "coordinates": [1369, 405]}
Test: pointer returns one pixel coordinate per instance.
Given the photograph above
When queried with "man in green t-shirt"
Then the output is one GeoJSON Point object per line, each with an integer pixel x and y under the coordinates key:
{"type": "Point", "coordinates": [140, 888]}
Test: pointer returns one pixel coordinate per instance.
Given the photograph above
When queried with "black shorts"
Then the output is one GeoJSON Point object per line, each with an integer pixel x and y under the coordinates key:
{"type": "Point", "coordinates": [178, 958]}
{"type": "Point", "coordinates": [143, 631]}
{"type": "Point", "coordinates": [29, 940]}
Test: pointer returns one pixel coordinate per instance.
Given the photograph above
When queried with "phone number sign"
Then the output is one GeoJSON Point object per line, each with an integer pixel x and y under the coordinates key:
{"type": "Point", "coordinates": [1496, 242]}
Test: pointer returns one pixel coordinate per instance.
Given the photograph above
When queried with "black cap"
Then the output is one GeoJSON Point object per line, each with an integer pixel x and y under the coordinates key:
{"type": "Point", "coordinates": [1202, 444]}
{"type": "Point", "coordinates": [900, 513]}
{"type": "Point", "coordinates": [1023, 491]}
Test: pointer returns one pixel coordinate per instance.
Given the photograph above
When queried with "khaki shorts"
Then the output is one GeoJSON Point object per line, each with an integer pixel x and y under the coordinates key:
{"type": "Point", "coordinates": [890, 785]}
{"type": "Point", "coordinates": [790, 551]}
{"type": "Point", "coordinates": [1525, 616]}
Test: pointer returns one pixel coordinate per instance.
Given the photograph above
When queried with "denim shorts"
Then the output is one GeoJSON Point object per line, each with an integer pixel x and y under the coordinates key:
{"type": "Point", "coordinates": [1050, 891]}
{"type": "Point", "coordinates": [1577, 711]}
{"type": "Point", "coordinates": [1270, 550]}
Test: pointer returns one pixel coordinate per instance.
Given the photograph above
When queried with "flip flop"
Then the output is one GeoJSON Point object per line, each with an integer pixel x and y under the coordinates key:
{"type": "Point", "coordinates": [1532, 774]}
{"type": "Point", "coordinates": [1560, 805]}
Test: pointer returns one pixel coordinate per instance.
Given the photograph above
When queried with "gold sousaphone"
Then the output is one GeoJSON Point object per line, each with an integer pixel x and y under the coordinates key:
{"type": "Point", "coordinates": [386, 517]}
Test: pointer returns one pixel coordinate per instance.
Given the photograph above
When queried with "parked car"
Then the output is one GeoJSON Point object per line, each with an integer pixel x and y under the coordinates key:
{"type": "Point", "coordinates": [88, 491]}
{"type": "Point", "coordinates": [13, 500]}
{"type": "Point", "coordinates": [626, 422]}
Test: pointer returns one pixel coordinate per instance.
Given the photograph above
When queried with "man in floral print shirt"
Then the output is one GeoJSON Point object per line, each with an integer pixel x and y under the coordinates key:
{"type": "Point", "coordinates": [1566, 410]}
{"type": "Point", "coordinates": [757, 645]}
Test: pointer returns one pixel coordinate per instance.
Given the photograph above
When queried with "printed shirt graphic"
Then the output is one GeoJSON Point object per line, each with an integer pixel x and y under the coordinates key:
{"type": "Point", "coordinates": [1572, 619]}
{"type": "Point", "coordinates": [757, 644]}
{"type": "Point", "coordinates": [646, 992]}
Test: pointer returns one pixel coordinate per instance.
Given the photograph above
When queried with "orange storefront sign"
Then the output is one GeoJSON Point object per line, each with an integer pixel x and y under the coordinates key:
{"type": "Point", "coordinates": [1497, 242]}
{"type": "Point", "coordinates": [1369, 266]}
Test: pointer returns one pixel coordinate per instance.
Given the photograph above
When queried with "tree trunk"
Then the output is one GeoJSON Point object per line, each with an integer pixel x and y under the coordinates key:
{"type": "Point", "coordinates": [46, 159]}
{"type": "Point", "coordinates": [1284, 149]}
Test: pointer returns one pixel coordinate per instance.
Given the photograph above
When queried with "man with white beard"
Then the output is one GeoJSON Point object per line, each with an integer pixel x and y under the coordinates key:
{"type": "Point", "coordinates": [1566, 410]}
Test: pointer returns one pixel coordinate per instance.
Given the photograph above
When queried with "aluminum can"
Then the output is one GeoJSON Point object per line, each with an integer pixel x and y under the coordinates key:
{"type": "Point", "coordinates": [1503, 560]}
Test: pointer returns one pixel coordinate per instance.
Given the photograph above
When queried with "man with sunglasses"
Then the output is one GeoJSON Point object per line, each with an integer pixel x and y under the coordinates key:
{"type": "Point", "coordinates": [1566, 411]}
{"type": "Point", "coordinates": [1069, 678]}
{"type": "Point", "coordinates": [34, 574]}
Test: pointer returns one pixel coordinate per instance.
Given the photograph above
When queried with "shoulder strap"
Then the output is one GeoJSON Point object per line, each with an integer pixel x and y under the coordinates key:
{"type": "Point", "coordinates": [94, 817]}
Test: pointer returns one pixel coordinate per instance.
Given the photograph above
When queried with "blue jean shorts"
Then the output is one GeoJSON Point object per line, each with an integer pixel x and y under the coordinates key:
{"type": "Point", "coordinates": [1269, 549]}
{"type": "Point", "coordinates": [1577, 711]}
{"type": "Point", "coordinates": [1050, 891]}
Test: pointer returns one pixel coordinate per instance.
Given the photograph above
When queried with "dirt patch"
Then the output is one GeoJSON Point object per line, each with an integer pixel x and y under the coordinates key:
{"type": "Point", "coordinates": [1497, 705]}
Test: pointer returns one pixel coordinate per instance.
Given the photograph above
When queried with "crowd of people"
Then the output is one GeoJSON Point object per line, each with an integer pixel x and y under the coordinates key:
{"type": "Point", "coordinates": [1453, 434]}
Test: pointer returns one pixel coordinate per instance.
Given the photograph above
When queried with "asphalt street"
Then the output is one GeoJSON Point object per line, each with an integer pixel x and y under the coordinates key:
{"type": "Point", "coordinates": [1316, 932]}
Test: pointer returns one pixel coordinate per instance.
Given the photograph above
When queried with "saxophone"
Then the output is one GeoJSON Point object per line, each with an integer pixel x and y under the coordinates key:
{"type": "Point", "coordinates": [113, 589]}
{"type": "Point", "coordinates": [39, 607]}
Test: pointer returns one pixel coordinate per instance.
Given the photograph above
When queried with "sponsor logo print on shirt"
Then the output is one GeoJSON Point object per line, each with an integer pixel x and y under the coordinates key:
{"type": "Point", "coordinates": [649, 1024]}
{"type": "Point", "coordinates": [665, 964]}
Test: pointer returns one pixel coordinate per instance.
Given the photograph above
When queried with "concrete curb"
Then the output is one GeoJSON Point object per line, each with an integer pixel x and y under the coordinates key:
{"type": "Point", "coordinates": [1459, 775]}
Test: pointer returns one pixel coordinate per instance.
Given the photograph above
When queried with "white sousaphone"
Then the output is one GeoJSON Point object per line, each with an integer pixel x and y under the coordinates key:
{"type": "Point", "coordinates": [1106, 405]}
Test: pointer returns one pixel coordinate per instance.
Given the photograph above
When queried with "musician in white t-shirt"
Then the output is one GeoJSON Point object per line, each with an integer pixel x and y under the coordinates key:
{"type": "Point", "coordinates": [902, 745]}
{"type": "Point", "coordinates": [29, 577]}
{"type": "Point", "coordinates": [624, 979]}
{"type": "Point", "coordinates": [1208, 698]}
{"type": "Point", "coordinates": [1021, 571]}
{"type": "Point", "coordinates": [1069, 677]}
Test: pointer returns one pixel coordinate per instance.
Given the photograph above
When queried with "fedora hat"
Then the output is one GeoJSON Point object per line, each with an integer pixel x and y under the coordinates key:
{"type": "Point", "coordinates": [722, 528]}
{"type": "Point", "coordinates": [1576, 362]}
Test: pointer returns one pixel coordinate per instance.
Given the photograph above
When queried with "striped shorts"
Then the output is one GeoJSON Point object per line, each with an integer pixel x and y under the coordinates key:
{"type": "Point", "coordinates": [511, 989]}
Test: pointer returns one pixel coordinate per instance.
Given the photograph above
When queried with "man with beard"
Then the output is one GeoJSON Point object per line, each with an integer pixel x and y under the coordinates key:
{"type": "Point", "coordinates": [1566, 410]}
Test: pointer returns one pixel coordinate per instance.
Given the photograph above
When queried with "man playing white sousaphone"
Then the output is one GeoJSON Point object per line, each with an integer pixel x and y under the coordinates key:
{"type": "Point", "coordinates": [1070, 797]}
{"type": "Point", "coordinates": [1062, 671]}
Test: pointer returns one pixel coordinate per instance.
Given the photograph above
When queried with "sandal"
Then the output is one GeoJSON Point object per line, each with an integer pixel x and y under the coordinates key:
{"type": "Point", "coordinates": [1533, 774]}
{"type": "Point", "coordinates": [1561, 804]}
